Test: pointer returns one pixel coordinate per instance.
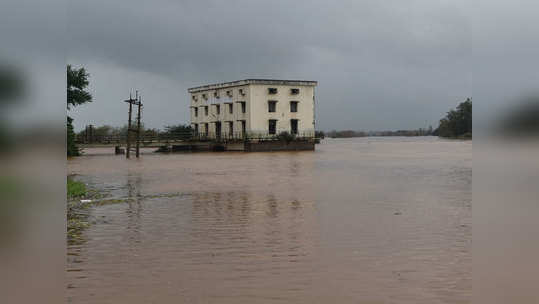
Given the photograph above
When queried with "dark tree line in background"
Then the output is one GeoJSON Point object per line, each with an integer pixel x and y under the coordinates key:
{"type": "Point", "coordinates": [179, 131]}
{"type": "Point", "coordinates": [457, 123]}
{"type": "Point", "coordinates": [351, 133]}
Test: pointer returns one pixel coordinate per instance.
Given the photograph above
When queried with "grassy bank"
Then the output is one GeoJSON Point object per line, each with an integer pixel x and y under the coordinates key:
{"type": "Point", "coordinates": [77, 211]}
{"type": "Point", "coordinates": [80, 200]}
{"type": "Point", "coordinates": [75, 189]}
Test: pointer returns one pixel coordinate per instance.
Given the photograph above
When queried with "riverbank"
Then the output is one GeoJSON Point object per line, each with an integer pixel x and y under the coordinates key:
{"type": "Point", "coordinates": [79, 199]}
{"type": "Point", "coordinates": [467, 136]}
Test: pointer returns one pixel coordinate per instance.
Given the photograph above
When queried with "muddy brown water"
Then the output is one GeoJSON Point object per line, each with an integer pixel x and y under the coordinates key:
{"type": "Point", "coordinates": [365, 220]}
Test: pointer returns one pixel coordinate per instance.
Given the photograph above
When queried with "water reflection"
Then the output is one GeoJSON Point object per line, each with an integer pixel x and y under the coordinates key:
{"type": "Point", "coordinates": [354, 222]}
{"type": "Point", "coordinates": [134, 208]}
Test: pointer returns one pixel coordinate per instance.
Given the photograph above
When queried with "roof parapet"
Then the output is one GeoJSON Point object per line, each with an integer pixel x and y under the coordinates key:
{"type": "Point", "coordinates": [252, 81]}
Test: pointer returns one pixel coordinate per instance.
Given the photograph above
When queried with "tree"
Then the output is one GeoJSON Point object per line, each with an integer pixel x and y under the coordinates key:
{"type": "Point", "coordinates": [179, 131]}
{"type": "Point", "coordinates": [72, 149]}
{"type": "Point", "coordinates": [457, 123]}
{"type": "Point", "coordinates": [77, 82]}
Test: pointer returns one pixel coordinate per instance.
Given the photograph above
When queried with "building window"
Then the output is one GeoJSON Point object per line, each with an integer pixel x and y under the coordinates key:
{"type": "Point", "coordinates": [272, 126]}
{"type": "Point", "coordinates": [231, 128]}
{"type": "Point", "coordinates": [205, 96]}
{"type": "Point", "coordinates": [242, 107]}
{"type": "Point", "coordinates": [218, 109]}
{"type": "Point", "coordinates": [196, 128]}
{"type": "Point", "coordinates": [272, 106]}
{"type": "Point", "coordinates": [293, 106]}
{"type": "Point", "coordinates": [294, 91]}
{"type": "Point", "coordinates": [241, 92]}
{"type": "Point", "coordinates": [230, 108]}
{"type": "Point", "coordinates": [229, 93]}
{"type": "Point", "coordinates": [293, 126]}
{"type": "Point", "coordinates": [216, 94]}
{"type": "Point", "coordinates": [272, 90]}
{"type": "Point", "coordinates": [217, 129]}
{"type": "Point", "coordinates": [206, 111]}
{"type": "Point", "coordinates": [243, 128]}
{"type": "Point", "coordinates": [196, 112]}
{"type": "Point", "coordinates": [194, 97]}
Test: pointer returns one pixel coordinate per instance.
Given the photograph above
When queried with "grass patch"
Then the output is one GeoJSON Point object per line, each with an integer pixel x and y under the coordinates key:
{"type": "Point", "coordinates": [75, 189]}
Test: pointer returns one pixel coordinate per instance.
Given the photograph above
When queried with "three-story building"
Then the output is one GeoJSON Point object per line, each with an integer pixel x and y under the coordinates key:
{"type": "Point", "coordinates": [253, 108]}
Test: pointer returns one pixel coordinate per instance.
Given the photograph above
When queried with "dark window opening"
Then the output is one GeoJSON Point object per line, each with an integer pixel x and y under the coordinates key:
{"type": "Point", "coordinates": [206, 110]}
{"type": "Point", "coordinates": [241, 92]}
{"type": "Point", "coordinates": [196, 128]}
{"type": "Point", "coordinates": [230, 108]}
{"type": "Point", "coordinates": [272, 90]}
{"type": "Point", "coordinates": [231, 128]}
{"type": "Point", "coordinates": [196, 112]}
{"type": "Point", "coordinates": [218, 129]}
{"type": "Point", "coordinates": [272, 106]}
{"type": "Point", "coordinates": [243, 107]}
{"type": "Point", "coordinates": [294, 126]}
{"type": "Point", "coordinates": [272, 126]}
{"type": "Point", "coordinates": [293, 106]}
{"type": "Point", "coordinates": [243, 127]}
{"type": "Point", "coordinates": [218, 109]}
{"type": "Point", "coordinates": [294, 91]}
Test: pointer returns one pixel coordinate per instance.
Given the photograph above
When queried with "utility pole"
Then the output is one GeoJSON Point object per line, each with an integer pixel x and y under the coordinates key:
{"type": "Point", "coordinates": [136, 101]}
{"type": "Point", "coordinates": [138, 125]}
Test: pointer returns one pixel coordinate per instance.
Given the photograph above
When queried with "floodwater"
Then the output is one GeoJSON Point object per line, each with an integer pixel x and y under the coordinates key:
{"type": "Point", "coordinates": [363, 220]}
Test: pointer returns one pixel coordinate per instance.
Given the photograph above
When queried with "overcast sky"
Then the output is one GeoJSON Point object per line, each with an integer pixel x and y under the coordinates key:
{"type": "Point", "coordinates": [380, 64]}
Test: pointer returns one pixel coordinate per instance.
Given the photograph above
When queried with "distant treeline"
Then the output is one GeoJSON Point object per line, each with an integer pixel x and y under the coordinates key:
{"type": "Point", "coordinates": [456, 124]}
{"type": "Point", "coordinates": [351, 133]}
{"type": "Point", "coordinates": [106, 130]}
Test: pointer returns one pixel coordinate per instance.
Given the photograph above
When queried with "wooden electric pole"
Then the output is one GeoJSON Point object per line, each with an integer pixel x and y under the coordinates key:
{"type": "Point", "coordinates": [136, 101]}
{"type": "Point", "coordinates": [138, 126]}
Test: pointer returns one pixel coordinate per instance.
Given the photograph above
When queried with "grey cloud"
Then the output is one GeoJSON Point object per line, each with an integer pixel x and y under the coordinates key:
{"type": "Point", "coordinates": [380, 64]}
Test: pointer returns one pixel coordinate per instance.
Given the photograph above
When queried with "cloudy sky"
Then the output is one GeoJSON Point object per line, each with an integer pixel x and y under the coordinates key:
{"type": "Point", "coordinates": [380, 64]}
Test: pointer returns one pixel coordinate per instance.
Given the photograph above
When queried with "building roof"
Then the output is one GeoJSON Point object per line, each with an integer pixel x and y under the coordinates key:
{"type": "Point", "coordinates": [252, 81]}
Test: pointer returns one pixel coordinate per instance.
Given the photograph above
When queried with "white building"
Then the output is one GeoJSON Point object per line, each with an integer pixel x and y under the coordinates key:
{"type": "Point", "coordinates": [253, 108]}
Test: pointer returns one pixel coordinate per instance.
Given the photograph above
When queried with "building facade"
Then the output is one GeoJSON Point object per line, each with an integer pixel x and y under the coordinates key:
{"type": "Point", "coordinates": [253, 108]}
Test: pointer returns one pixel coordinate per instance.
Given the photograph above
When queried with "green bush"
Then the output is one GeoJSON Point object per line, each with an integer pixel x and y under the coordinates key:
{"type": "Point", "coordinates": [285, 136]}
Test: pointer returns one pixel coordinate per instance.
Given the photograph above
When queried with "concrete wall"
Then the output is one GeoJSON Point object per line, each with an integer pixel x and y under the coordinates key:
{"type": "Point", "coordinates": [259, 115]}
{"type": "Point", "coordinates": [271, 145]}
{"type": "Point", "coordinates": [223, 100]}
